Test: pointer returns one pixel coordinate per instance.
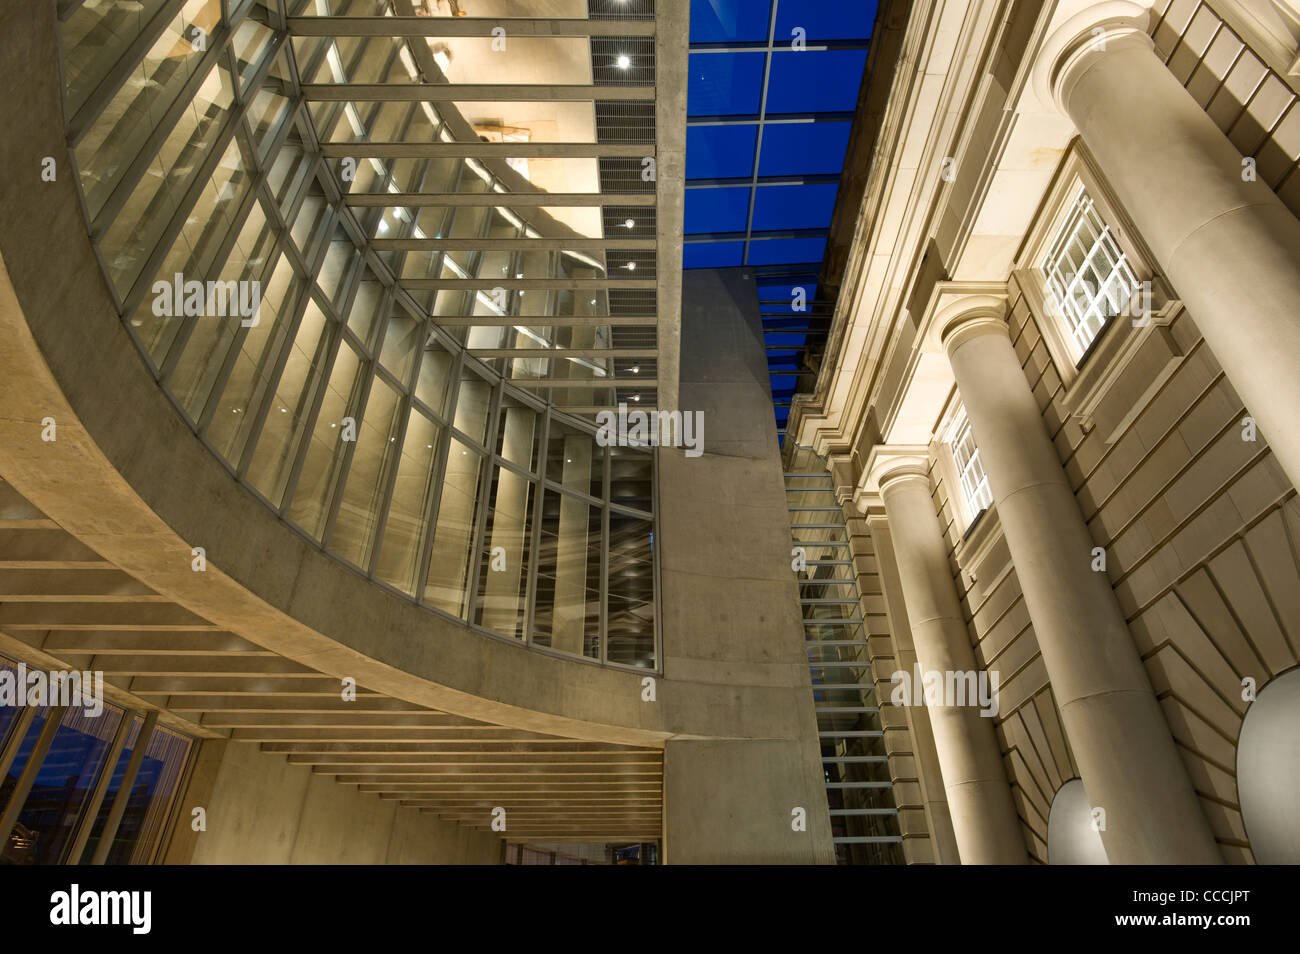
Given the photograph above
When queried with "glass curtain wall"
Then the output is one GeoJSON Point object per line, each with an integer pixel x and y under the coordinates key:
{"type": "Point", "coordinates": [73, 779]}
{"type": "Point", "coordinates": [864, 817]}
{"type": "Point", "coordinates": [317, 341]}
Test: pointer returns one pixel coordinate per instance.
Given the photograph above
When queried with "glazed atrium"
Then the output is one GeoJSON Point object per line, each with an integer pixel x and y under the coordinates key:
{"type": "Point", "coordinates": [678, 432]}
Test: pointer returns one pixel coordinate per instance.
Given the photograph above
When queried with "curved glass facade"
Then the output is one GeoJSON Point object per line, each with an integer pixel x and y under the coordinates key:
{"type": "Point", "coordinates": [309, 313]}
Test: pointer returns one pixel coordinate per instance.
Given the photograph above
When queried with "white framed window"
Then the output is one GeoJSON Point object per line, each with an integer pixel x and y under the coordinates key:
{"type": "Point", "coordinates": [1082, 268]}
{"type": "Point", "coordinates": [1089, 278]}
{"type": "Point", "coordinates": [970, 469]}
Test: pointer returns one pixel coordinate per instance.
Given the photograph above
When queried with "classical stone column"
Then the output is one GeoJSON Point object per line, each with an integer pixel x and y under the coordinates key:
{"type": "Point", "coordinates": [984, 818]}
{"type": "Point", "coordinates": [1125, 752]}
{"type": "Point", "coordinates": [1228, 245]}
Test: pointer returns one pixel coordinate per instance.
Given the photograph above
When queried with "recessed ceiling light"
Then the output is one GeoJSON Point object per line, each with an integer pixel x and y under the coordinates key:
{"type": "Point", "coordinates": [636, 397]}
{"type": "Point", "coordinates": [636, 369]}
{"type": "Point", "coordinates": [629, 224]}
{"type": "Point", "coordinates": [631, 266]}
{"type": "Point", "coordinates": [623, 62]}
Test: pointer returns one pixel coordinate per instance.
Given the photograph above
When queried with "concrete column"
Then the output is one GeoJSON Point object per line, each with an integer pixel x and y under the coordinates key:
{"type": "Point", "coordinates": [1230, 248]}
{"type": "Point", "coordinates": [1123, 746]}
{"type": "Point", "coordinates": [984, 819]}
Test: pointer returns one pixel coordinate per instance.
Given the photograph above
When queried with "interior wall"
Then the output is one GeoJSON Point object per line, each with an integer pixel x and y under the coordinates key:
{"type": "Point", "coordinates": [260, 809]}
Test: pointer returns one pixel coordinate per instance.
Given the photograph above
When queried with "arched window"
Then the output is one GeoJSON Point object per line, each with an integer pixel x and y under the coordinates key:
{"type": "Point", "coordinates": [1071, 838]}
{"type": "Point", "coordinates": [1268, 771]}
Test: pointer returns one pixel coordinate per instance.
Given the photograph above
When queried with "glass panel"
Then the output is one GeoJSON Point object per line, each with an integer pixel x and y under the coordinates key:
{"type": "Point", "coordinates": [63, 783]}
{"type": "Point", "coordinates": [151, 796]}
{"type": "Point", "coordinates": [335, 421]}
{"type": "Point", "coordinates": [250, 376]}
{"type": "Point", "coordinates": [631, 637]}
{"type": "Point", "coordinates": [286, 418]}
{"type": "Point", "coordinates": [135, 231]}
{"type": "Point", "coordinates": [137, 109]}
{"type": "Point", "coordinates": [631, 478]}
{"type": "Point", "coordinates": [449, 563]}
{"type": "Point", "coordinates": [435, 376]}
{"type": "Point", "coordinates": [567, 613]}
{"type": "Point", "coordinates": [191, 255]}
{"type": "Point", "coordinates": [358, 518]}
{"type": "Point", "coordinates": [404, 531]}
{"type": "Point", "coordinates": [516, 436]}
{"type": "Point", "coordinates": [94, 38]}
{"type": "Point", "coordinates": [473, 405]}
{"type": "Point", "coordinates": [574, 460]}
{"type": "Point", "coordinates": [503, 562]}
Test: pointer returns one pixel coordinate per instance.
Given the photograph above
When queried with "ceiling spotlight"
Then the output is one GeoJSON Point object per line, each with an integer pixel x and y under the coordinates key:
{"type": "Point", "coordinates": [593, 301]}
{"type": "Point", "coordinates": [623, 62]}
{"type": "Point", "coordinates": [629, 224]}
{"type": "Point", "coordinates": [636, 397]}
{"type": "Point", "coordinates": [636, 369]}
{"type": "Point", "coordinates": [631, 266]}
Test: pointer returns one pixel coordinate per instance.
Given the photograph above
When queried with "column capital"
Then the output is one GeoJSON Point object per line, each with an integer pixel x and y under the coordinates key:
{"type": "Point", "coordinates": [889, 464]}
{"type": "Point", "coordinates": [973, 324]}
{"type": "Point", "coordinates": [1075, 46]}
{"type": "Point", "coordinates": [951, 304]}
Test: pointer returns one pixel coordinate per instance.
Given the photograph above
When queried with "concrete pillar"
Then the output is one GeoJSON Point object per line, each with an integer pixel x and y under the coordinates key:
{"type": "Point", "coordinates": [985, 824]}
{"type": "Point", "coordinates": [1125, 752]}
{"type": "Point", "coordinates": [730, 600]}
{"type": "Point", "coordinates": [1229, 247]}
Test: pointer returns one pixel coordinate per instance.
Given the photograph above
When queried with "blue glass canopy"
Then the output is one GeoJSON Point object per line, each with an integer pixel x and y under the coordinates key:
{"type": "Point", "coordinates": [771, 95]}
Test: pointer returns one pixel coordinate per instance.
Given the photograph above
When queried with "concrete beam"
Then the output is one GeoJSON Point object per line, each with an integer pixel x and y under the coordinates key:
{"type": "Point", "coordinates": [486, 150]}
{"type": "Point", "coordinates": [467, 26]}
{"type": "Point", "coordinates": [468, 93]}
{"type": "Point", "coordinates": [383, 200]}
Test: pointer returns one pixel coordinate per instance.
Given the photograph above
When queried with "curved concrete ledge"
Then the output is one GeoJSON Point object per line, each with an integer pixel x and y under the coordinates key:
{"type": "Point", "coordinates": [128, 477]}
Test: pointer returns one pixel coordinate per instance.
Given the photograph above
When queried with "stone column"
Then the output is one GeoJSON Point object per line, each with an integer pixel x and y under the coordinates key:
{"type": "Point", "coordinates": [928, 770]}
{"type": "Point", "coordinates": [1119, 737]}
{"type": "Point", "coordinates": [1229, 247]}
{"type": "Point", "coordinates": [984, 819]}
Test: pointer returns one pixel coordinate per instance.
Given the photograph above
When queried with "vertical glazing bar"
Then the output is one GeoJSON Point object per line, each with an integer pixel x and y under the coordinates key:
{"type": "Point", "coordinates": [124, 790]}
{"type": "Point", "coordinates": [90, 811]}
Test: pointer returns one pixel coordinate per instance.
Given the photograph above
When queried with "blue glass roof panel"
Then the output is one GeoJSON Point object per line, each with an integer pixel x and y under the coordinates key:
{"type": "Point", "coordinates": [729, 21]}
{"type": "Point", "coordinates": [814, 81]}
{"type": "Point", "coordinates": [825, 19]}
{"type": "Point", "coordinates": [713, 254]}
{"type": "Point", "coordinates": [800, 149]}
{"type": "Point", "coordinates": [716, 210]}
{"type": "Point", "coordinates": [780, 251]}
{"type": "Point", "coordinates": [724, 84]}
{"type": "Point", "coordinates": [794, 207]}
{"type": "Point", "coordinates": [720, 152]}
